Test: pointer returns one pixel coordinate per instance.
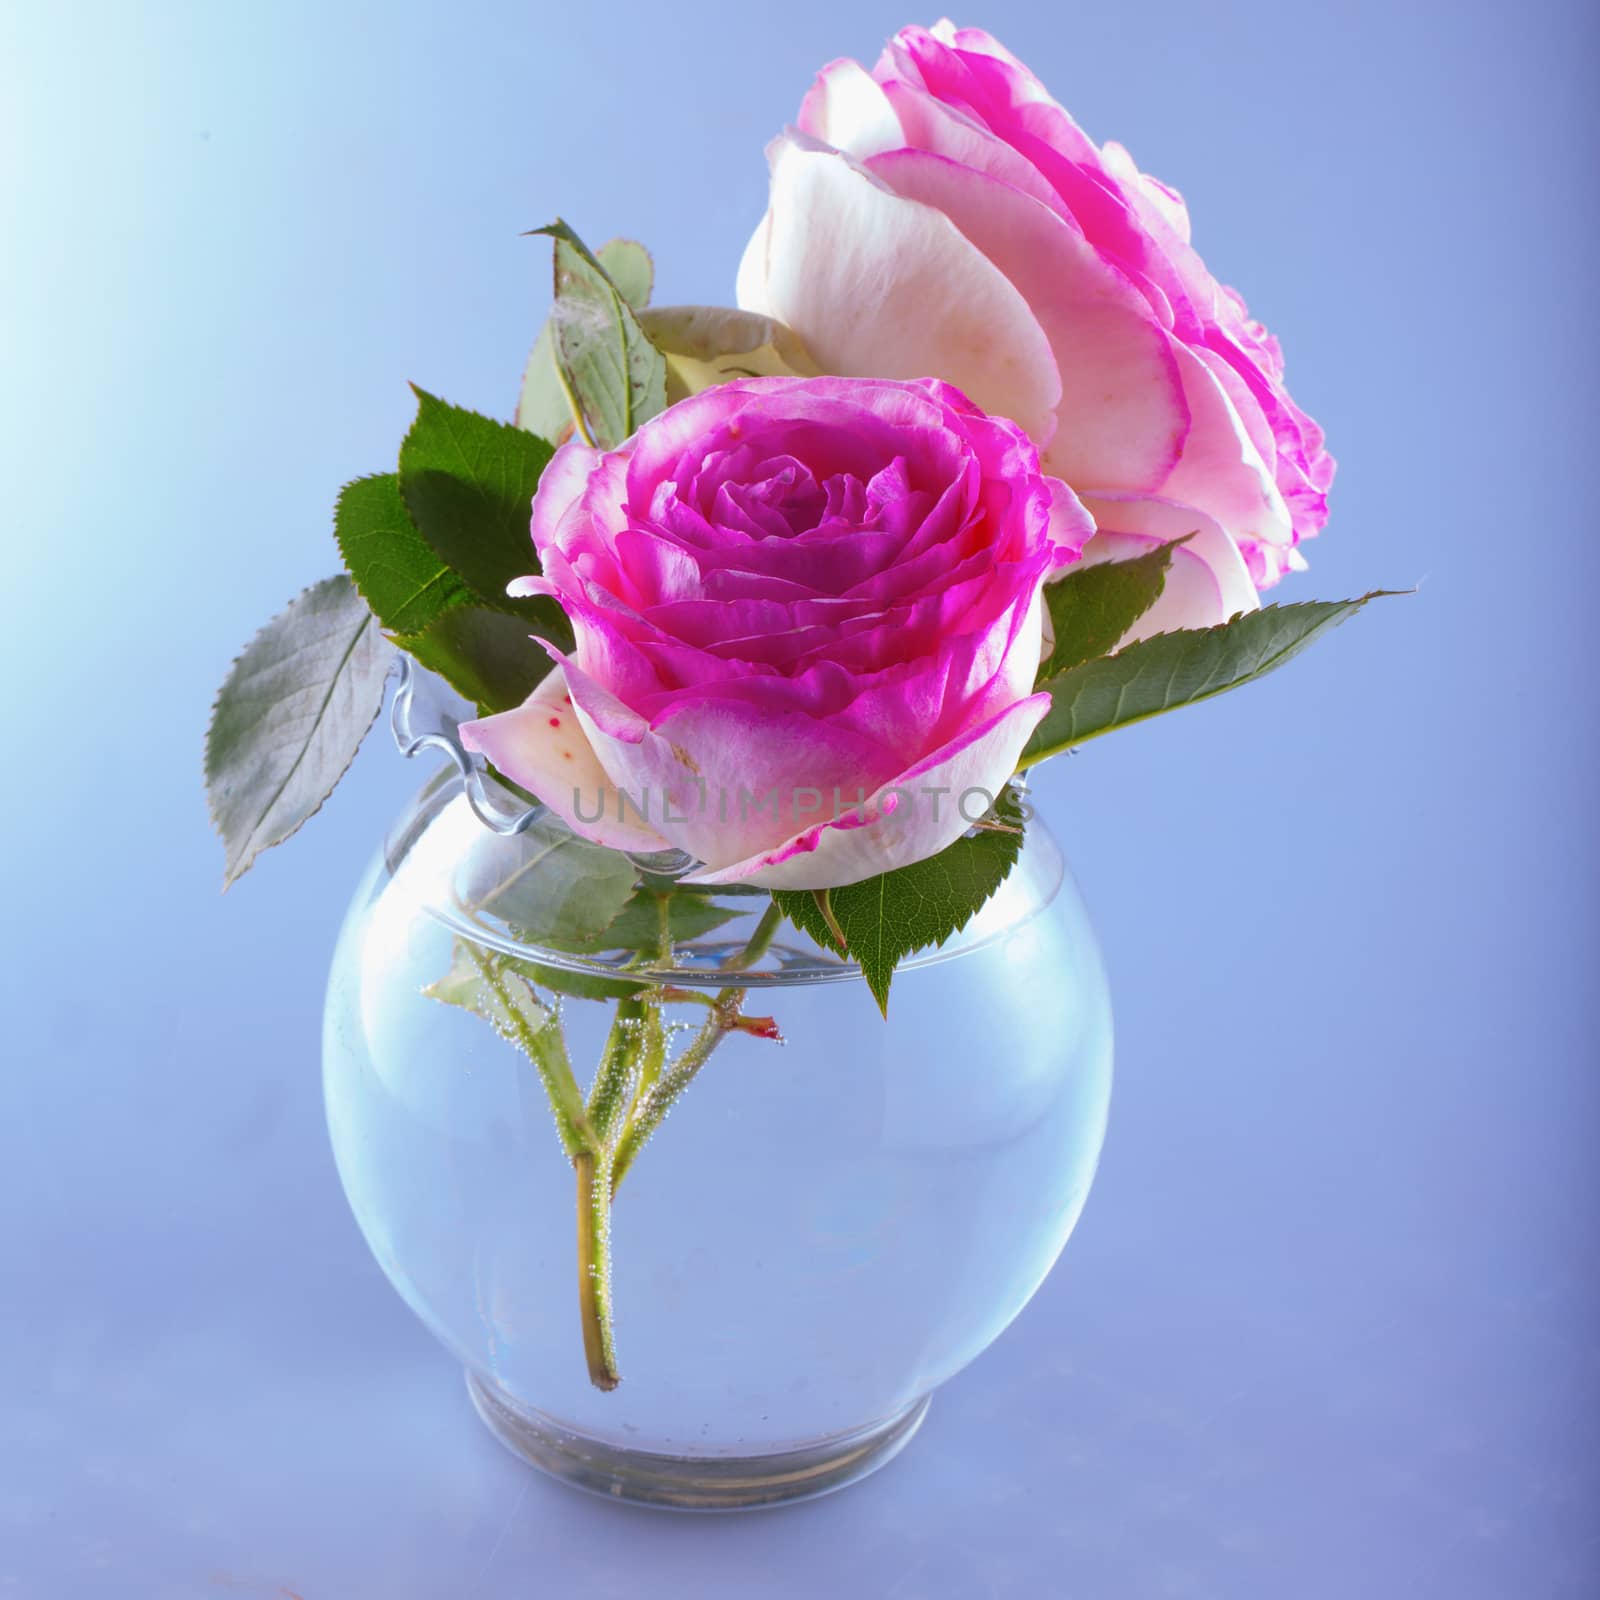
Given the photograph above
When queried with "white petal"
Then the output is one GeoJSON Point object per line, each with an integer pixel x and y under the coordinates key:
{"type": "Point", "coordinates": [1122, 419]}
{"type": "Point", "coordinates": [847, 109]}
{"type": "Point", "coordinates": [750, 290]}
{"type": "Point", "coordinates": [542, 746]}
{"type": "Point", "coordinates": [881, 286]}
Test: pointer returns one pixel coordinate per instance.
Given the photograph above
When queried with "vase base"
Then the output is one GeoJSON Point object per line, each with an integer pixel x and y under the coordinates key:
{"type": "Point", "coordinates": [690, 1483]}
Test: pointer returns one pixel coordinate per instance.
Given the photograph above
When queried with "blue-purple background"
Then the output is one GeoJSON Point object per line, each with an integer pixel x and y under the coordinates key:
{"type": "Point", "coordinates": [1328, 1328]}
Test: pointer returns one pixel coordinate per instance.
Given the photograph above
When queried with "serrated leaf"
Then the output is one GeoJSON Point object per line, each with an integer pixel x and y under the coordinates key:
{"type": "Point", "coordinates": [1176, 669]}
{"type": "Point", "coordinates": [399, 574]}
{"type": "Point", "coordinates": [290, 717]}
{"type": "Point", "coordinates": [543, 407]}
{"type": "Point", "coordinates": [886, 918]}
{"type": "Point", "coordinates": [614, 376]}
{"type": "Point", "coordinates": [490, 657]}
{"type": "Point", "coordinates": [708, 345]}
{"type": "Point", "coordinates": [1093, 606]}
{"type": "Point", "coordinates": [468, 483]}
{"type": "Point", "coordinates": [803, 908]}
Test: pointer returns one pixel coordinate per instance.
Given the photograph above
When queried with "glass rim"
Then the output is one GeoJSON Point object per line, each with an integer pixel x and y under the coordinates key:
{"type": "Point", "coordinates": [466, 776]}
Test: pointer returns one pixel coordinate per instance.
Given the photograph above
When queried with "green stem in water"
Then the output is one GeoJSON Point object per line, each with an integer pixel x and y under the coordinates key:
{"type": "Point", "coordinates": [632, 1092]}
{"type": "Point", "coordinates": [652, 1050]}
{"type": "Point", "coordinates": [622, 1066]}
{"type": "Point", "coordinates": [594, 1266]}
{"type": "Point", "coordinates": [759, 942]}
{"type": "Point", "coordinates": [612, 1090]}
{"type": "Point", "coordinates": [652, 1106]}
{"type": "Point", "coordinates": [655, 1099]}
{"type": "Point", "coordinates": [546, 1048]}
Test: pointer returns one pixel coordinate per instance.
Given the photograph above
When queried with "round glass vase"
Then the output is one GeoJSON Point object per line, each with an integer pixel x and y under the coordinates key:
{"type": "Point", "coordinates": [841, 1211]}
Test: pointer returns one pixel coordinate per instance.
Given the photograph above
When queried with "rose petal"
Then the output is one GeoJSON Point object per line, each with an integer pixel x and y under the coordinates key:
{"type": "Point", "coordinates": [902, 827]}
{"type": "Point", "coordinates": [1122, 417]}
{"type": "Point", "coordinates": [543, 747]}
{"type": "Point", "coordinates": [847, 109]}
{"type": "Point", "coordinates": [855, 269]}
{"type": "Point", "coordinates": [561, 486]}
{"type": "Point", "coordinates": [1220, 471]}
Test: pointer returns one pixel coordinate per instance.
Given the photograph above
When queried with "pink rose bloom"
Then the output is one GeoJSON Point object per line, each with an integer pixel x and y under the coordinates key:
{"type": "Point", "coordinates": [808, 619]}
{"type": "Point", "coordinates": [943, 214]}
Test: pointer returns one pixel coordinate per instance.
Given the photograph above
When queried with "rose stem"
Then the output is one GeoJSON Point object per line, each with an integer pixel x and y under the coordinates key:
{"type": "Point", "coordinates": [608, 1099]}
{"type": "Point", "coordinates": [594, 1267]}
{"type": "Point", "coordinates": [758, 942]}
{"type": "Point", "coordinates": [546, 1048]}
{"type": "Point", "coordinates": [655, 1101]}
{"type": "Point", "coordinates": [613, 1079]}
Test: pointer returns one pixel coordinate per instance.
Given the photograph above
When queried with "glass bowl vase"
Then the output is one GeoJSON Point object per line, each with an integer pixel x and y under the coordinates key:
{"type": "Point", "coordinates": [841, 1210]}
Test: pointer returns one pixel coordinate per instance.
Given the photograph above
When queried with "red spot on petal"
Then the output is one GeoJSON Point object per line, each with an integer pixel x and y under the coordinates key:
{"type": "Point", "coordinates": [555, 722]}
{"type": "Point", "coordinates": [566, 755]}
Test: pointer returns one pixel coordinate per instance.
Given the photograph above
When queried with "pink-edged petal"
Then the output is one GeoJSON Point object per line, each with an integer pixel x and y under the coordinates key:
{"type": "Point", "coordinates": [1220, 471]}
{"type": "Point", "coordinates": [723, 778]}
{"type": "Point", "coordinates": [544, 746]}
{"type": "Point", "coordinates": [941, 130]}
{"type": "Point", "coordinates": [1159, 206]}
{"type": "Point", "coordinates": [847, 109]}
{"type": "Point", "coordinates": [975, 41]}
{"type": "Point", "coordinates": [879, 285]}
{"type": "Point", "coordinates": [1246, 404]}
{"type": "Point", "coordinates": [561, 485]}
{"type": "Point", "coordinates": [902, 822]}
{"type": "Point", "coordinates": [1072, 525]}
{"type": "Point", "coordinates": [1122, 418]}
{"type": "Point", "coordinates": [1208, 581]}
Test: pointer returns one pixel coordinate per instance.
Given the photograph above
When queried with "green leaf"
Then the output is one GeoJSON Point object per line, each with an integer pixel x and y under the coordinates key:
{"type": "Point", "coordinates": [488, 656]}
{"type": "Point", "coordinates": [628, 265]}
{"type": "Point", "coordinates": [496, 987]}
{"type": "Point", "coordinates": [399, 574]}
{"type": "Point", "coordinates": [804, 908]}
{"type": "Point", "coordinates": [1093, 606]}
{"type": "Point", "coordinates": [640, 926]}
{"type": "Point", "coordinates": [502, 990]}
{"type": "Point", "coordinates": [886, 918]}
{"type": "Point", "coordinates": [548, 886]}
{"type": "Point", "coordinates": [614, 376]}
{"type": "Point", "coordinates": [707, 345]}
{"type": "Point", "coordinates": [468, 483]}
{"type": "Point", "coordinates": [543, 407]}
{"type": "Point", "coordinates": [463, 475]}
{"type": "Point", "coordinates": [1176, 669]}
{"type": "Point", "coordinates": [290, 717]}
{"type": "Point", "coordinates": [586, 985]}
